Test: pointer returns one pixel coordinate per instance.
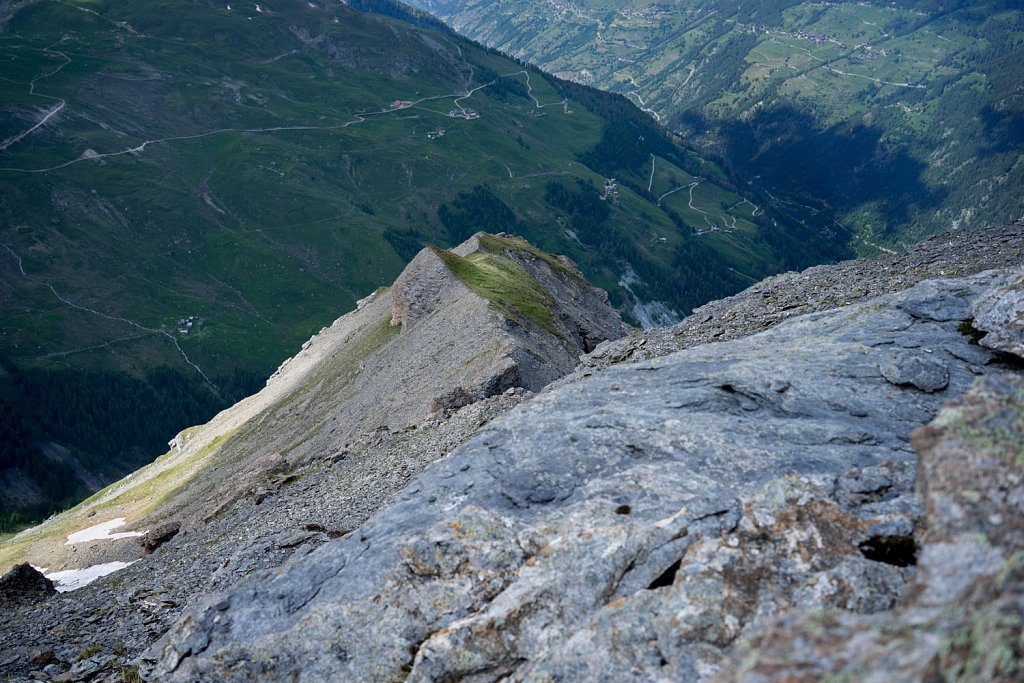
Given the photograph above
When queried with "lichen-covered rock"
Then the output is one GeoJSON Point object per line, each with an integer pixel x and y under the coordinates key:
{"type": "Point", "coordinates": [1001, 316]}
{"type": "Point", "coordinates": [964, 610]}
{"type": "Point", "coordinates": [635, 524]}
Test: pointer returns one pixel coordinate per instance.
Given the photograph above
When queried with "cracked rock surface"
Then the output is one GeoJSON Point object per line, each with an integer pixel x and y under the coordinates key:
{"type": "Point", "coordinates": [961, 619]}
{"type": "Point", "coordinates": [639, 523]}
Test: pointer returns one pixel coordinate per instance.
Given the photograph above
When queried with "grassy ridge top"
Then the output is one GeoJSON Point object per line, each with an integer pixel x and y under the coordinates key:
{"type": "Point", "coordinates": [504, 283]}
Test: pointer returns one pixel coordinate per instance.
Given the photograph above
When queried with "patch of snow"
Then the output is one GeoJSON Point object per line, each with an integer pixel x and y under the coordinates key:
{"type": "Point", "coordinates": [73, 579]}
{"type": "Point", "coordinates": [101, 532]}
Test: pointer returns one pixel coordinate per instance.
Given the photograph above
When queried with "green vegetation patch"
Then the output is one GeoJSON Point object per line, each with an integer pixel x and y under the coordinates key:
{"type": "Point", "coordinates": [495, 244]}
{"type": "Point", "coordinates": [988, 646]}
{"type": "Point", "coordinates": [89, 651]}
{"type": "Point", "coordinates": [505, 284]}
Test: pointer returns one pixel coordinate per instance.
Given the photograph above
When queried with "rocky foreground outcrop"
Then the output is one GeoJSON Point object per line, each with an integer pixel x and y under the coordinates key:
{"type": "Point", "coordinates": [682, 518]}
{"type": "Point", "coordinates": [962, 613]}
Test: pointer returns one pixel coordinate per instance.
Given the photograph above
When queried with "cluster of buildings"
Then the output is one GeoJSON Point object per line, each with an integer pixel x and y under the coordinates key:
{"type": "Point", "coordinates": [185, 325]}
{"type": "Point", "coordinates": [611, 191]}
{"type": "Point", "coordinates": [816, 38]}
{"type": "Point", "coordinates": [567, 6]}
{"type": "Point", "coordinates": [649, 12]}
{"type": "Point", "coordinates": [869, 52]}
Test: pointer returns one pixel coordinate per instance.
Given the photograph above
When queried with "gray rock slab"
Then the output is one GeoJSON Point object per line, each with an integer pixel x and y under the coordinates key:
{"type": "Point", "coordinates": [628, 526]}
{"type": "Point", "coordinates": [961, 616]}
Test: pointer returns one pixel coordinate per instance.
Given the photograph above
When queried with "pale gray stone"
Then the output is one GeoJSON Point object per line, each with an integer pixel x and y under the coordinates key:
{"type": "Point", "coordinates": [631, 525]}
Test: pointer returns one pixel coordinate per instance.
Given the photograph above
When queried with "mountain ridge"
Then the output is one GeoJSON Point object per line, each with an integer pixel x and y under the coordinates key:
{"type": "Point", "coordinates": [612, 560]}
{"type": "Point", "coordinates": [188, 193]}
{"type": "Point", "coordinates": [911, 362]}
{"type": "Point", "coordinates": [398, 361]}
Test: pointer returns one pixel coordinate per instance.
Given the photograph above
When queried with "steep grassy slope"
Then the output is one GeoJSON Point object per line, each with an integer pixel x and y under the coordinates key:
{"type": "Point", "coordinates": [189, 189]}
{"type": "Point", "coordinates": [896, 119]}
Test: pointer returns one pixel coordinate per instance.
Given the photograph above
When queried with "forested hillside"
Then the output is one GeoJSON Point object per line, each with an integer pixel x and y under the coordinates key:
{"type": "Point", "coordinates": [886, 120]}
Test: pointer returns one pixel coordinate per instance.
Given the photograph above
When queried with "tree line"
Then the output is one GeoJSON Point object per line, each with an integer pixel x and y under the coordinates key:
{"type": "Point", "coordinates": [111, 422]}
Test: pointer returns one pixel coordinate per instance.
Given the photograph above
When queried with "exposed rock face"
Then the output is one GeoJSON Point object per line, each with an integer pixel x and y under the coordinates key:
{"type": "Point", "coordinates": [963, 613]}
{"type": "Point", "coordinates": [638, 523]}
{"type": "Point", "coordinates": [420, 289]}
{"type": "Point", "coordinates": [24, 583]}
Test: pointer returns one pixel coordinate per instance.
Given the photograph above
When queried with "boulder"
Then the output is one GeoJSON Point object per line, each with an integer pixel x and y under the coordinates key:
{"type": "Point", "coordinates": [1000, 315]}
{"type": "Point", "coordinates": [24, 583]}
{"type": "Point", "coordinates": [156, 537]}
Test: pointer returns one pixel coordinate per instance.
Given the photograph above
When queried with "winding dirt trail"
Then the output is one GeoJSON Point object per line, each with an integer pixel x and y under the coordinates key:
{"type": "Point", "coordinates": [115, 318]}
{"type": "Point", "coordinates": [359, 118]}
{"type": "Point", "coordinates": [61, 103]}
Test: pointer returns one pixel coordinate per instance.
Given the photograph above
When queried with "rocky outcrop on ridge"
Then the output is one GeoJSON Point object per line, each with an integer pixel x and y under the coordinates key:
{"type": "Point", "coordinates": [460, 326]}
{"type": "Point", "coordinates": [639, 523]}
